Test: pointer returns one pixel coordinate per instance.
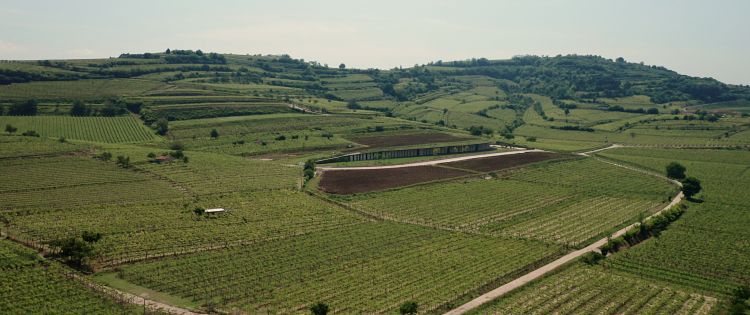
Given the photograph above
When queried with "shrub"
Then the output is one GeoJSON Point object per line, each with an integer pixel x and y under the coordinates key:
{"type": "Point", "coordinates": [592, 258]}
{"type": "Point", "coordinates": [690, 187]}
{"type": "Point", "coordinates": [10, 129]}
{"type": "Point", "coordinates": [319, 309]}
{"type": "Point", "coordinates": [675, 170]}
{"type": "Point", "coordinates": [30, 133]}
{"type": "Point", "coordinates": [409, 308]}
{"type": "Point", "coordinates": [123, 161]}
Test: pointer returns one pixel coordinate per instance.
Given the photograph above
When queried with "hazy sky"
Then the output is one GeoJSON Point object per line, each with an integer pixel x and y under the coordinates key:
{"type": "Point", "coordinates": [702, 38]}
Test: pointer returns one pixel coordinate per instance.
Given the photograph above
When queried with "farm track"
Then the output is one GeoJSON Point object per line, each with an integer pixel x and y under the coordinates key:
{"type": "Point", "coordinates": [426, 163]}
{"type": "Point", "coordinates": [131, 298]}
{"type": "Point", "coordinates": [540, 272]}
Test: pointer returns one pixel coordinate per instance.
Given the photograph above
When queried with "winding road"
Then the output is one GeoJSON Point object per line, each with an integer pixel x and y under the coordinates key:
{"type": "Point", "coordinates": [538, 273]}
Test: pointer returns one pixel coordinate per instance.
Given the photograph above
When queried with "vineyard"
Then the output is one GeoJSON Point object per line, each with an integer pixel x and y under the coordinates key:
{"type": "Point", "coordinates": [686, 253]}
{"type": "Point", "coordinates": [95, 129]}
{"type": "Point", "coordinates": [365, 268]}
{"type": "Point", "coordinates": [29, 285]}
{"type": "Point", "coordinates": [591, 290]}
{"type": "Point", "coordinates": [152, 229]}
{"type": "Point", "coordinates": [225, 210]}
{"type": "Point", "coordinates": [551, 202]}
{"type": "Point", "coordinates": [67, 182]}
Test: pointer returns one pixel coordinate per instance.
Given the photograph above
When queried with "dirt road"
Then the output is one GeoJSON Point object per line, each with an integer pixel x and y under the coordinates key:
{"type": "Point", "coordinates": [428, 163]}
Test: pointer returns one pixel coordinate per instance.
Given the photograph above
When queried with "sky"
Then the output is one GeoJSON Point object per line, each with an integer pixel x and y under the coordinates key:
{"type": "Point", "coordinates": [698, 38]}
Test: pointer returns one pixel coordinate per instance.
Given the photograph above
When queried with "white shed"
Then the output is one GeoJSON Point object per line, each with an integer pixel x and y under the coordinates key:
{"type": "Point", "coordinates": [215, 210]}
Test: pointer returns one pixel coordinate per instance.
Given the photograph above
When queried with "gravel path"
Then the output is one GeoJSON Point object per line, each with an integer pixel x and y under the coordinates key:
{"type": "Point", "coordinates": [538, 273]}
{"type": "Point", "coordinates": [427, 163]}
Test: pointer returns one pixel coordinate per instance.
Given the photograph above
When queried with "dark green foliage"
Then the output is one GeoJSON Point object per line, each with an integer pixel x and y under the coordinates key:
{"type": "Point", "coordinates": [177, 146]}
{"type": "Point", "coordinates": [576, 128]}
{"type": "Point", "coordinates": [162, 126]}
{"type": "Point", "coordinates": [651, 227]}
{"type": "Point", "coordinates": [675, 170]}
{"type": "Point", "coordinates": [30, 133]}
{"type": "Point", "coordinates": [652, 111]}
{"type": "Point", "coordinates": [319, 309]}
{"type": "Point", "coordinates": [740, 299]}
{"type": "Point", "coordinates": [353, 105]}
{"type": "Point", "coordinates": [27, 108]}
{"type": "Point", "coordinates": [104, 156]}
{"type": "Point", "coordinates": [592, 258]}
{"type": "Point", "coordinates": [75, 250]}
{"type": "Point", "coordinates": [10, 129]}
{"type": "Point", "coordinates": [309, 169]}
{"type": "Point", "coordinates": [409, 308]}
{"type": "Point", "coordinates": [91, 237]}
{"type": "Point", "coordinates": [480, 130]}
{"type": "Point", "coordinates": [123, 161]}
{"type": "Point", "coordinates": [214, 133]}
{"type": "Point", "coordinates": [280, 138]}
{"type": "Point", "coordinates": [199, 211]}
{"type": "Point", "coordinates": [79, 109]}
{"type": "Point", "coordinates": [691, 186]}
{"type": "Point", "coordinates": [113, 108]}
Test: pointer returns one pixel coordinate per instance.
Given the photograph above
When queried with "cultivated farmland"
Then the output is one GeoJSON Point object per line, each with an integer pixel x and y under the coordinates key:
{"type": "Point", "coordinates": [189, 179]}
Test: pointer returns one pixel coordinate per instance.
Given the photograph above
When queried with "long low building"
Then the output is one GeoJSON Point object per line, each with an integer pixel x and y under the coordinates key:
{"type": "Point", "coordinates": [405, 153]}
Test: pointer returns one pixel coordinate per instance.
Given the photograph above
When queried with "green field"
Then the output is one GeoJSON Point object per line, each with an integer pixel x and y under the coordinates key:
{"type": "Point", "coordinates": [30, 285]}
{"type": "Point", "coordinates": [94, 129]}
{"type": "Point", "coordinates": [236, 131]}
{"type": "Point", "coordinates": [591, 290]}
{"type": "Point", "coordinates": [352, 267]}
{"type": "Point", "coordinates": [546, 202]}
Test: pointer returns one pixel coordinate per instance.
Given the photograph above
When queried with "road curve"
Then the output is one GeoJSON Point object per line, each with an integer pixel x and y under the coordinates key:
{"type": "Point", "coordinates": [426, 163]}
{"type": "Point", "coordinates": [538, 273]}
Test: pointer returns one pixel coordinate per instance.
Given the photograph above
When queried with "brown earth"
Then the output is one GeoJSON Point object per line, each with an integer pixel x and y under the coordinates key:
{"type": "Point", "coordinates": [381, 141]}
{"type": "Point", "coordinates": [500, 162]}
{"type": "Point", "coordinates": [360, 181]}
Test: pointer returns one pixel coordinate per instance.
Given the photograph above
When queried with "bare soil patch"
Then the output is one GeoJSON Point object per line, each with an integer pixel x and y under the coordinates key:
{"type": "Point", "coordinates": [360, 181]}
{"type": "Point", "coordinates": [394, 140]}
{"type": "Point", "coordinates": [500, 162]}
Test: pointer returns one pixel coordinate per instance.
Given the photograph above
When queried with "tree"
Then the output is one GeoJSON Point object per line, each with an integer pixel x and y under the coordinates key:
{"type": "Point", "coordinates": [79, 109]}
{"type": "Point", "coordinates": [409, 308]}
{"type": "Point", "coordinates": [214, 134]}
{"type": "Point", "coordinates": [123, 161]}
{"type": "Point", "coordinates": [74, 250]}
{"type": "Point", "coordinates": [690, 187]}
{"type": "Point", "coordinates": [168, 51]}
{"type": "Point", "coordinates": [10, 129]}
{"type": "Point", "coordinates": [319, 309]}
{"type": "Point", "coordinates": [162, 126]}
{"type": "Point", "coordinates": [342, 66]}
{"type": "Point", "coordinates": [675, 170]}
{"type": "Point", "coordinates": [27, 108]}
